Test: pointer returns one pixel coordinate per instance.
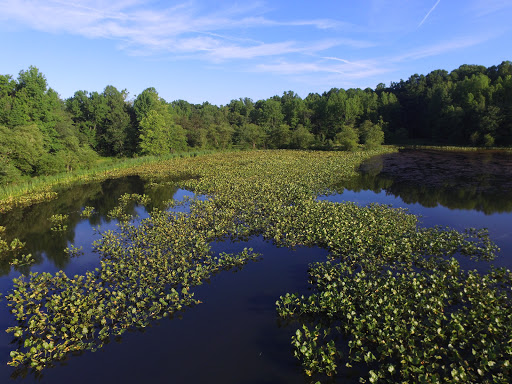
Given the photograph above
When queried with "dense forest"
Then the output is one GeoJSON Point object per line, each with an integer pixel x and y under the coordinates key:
{"type": "Point", "coordinates": [41, 134]}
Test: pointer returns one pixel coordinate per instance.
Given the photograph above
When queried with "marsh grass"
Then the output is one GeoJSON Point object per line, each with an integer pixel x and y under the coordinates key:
{"type": "Point", "coordinates": [43, 188]}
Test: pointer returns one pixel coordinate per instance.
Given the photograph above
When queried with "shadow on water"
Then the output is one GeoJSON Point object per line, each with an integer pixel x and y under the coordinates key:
{"type": "Point", "coordinates": [465, 189]}
{"type": "Point", "coordinates": [32, 225]}
{"type": "Point", "coordinates": [479, 180]}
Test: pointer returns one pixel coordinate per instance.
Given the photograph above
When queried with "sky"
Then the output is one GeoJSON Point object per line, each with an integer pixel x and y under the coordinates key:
{"type": "Point", "coordinates": [221, 50]}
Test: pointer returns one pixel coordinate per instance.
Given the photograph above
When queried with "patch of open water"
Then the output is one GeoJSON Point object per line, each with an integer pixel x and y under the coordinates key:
{"type": "Point", "coordinates": [455, 189]}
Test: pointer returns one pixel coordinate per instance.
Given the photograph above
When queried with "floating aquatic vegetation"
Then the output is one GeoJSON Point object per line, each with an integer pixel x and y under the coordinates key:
{"type": "Point", "coordinates": [58, 222]}
{"type": "Point", "coordinates": [73, 251]}
{"type": "Point", "coordinates": [426, 326]}
{"type": "Point", "coordinates": [146, 273]}
{"type": "Point", "coordinates": [87, 212]}
{"type": "Point", "coordinates": [22, 260]}
{"type": "Point", "coordinates": [12, 250]}
{"type": "Point", "coordinates": [391, 299]}
{"type": "Point", "coordinates": [26, 199]}
{"type": "Point", "coordinates": [119, 212]}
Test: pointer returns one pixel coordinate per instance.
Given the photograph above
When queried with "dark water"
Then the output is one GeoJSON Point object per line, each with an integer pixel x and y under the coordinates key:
{"type": "Point", "coordinates": [235, 336]}
{"type": "Point", "coordinates": [32, 224]}
{"type": "Point", "coordinates": [466, 189]}
{"type": "Point", "coordinates": [466, 180]}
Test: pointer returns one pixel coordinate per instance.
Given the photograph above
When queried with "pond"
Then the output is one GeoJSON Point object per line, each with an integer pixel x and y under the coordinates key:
{"type": "Point", "coordinates": [235, 335]}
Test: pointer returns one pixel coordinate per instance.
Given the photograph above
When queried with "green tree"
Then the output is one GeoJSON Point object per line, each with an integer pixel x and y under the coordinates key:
{"type": "Point", "coordinates": [220, 135]}
{"type": "Point", "coordinates": [113, 132]}
{"type": "Point", "coordinates": [252, 134]}
{"type": "Point", "coordinates": [301, 138]}
{"type": "Point", "coordinates": [371, 135]}
{"type": "Point", "coordinates": [160, 136]}
{"type": "Point", "coordinates": [153, 136]}
{"type": "Point", "coordinates": [293, 109]}
{"type": "Point", "coordinates": [22, 147]}
{"type": "Point", "coordinates": [7, 90]}
{"type": "Point", "coordinates": [348, 138]}
{"type": "Point", "coordinates": [88, 111]}
{"type": "Point", "coordinates": [145, 102]}
{"type": "Point", "coordinates": [270, 115]}
{"type": "Point", "coordinates": [279, 137]}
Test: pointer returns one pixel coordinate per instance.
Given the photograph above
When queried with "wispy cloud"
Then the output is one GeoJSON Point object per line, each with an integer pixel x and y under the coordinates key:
{"type": "Point", "coordinates": [428, 13]}
{"type": "Point", "coordinates": [348, 70]}
{"type": "Point", "coordinates": [451, 45]}
{"type": "Point", "coordinates": [487, 7]}
{"type": "Point", "coordinates": [329, 71]}
{"type": "Point", "coordinates": [183, 29]}
{"type": "Point", "coordinates": [256, 39]}
{"type": "Point", "coordinates": [343, 71]}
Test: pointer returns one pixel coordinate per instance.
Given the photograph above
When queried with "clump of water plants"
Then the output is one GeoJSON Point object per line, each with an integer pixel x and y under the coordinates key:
{"type": "Point", "coordinates": [120, 211]}
{"type": "Point", "coordinates": [26, 199]}
{"type": "Point", "coordinates": [393, 301]}
{"type": "Point", "coordinates": [424, 326]}
{"type": "Point", "coordinates": [9, 248]}
{"type": "Point", "coordinates": [58, 222]}
{"type": "Point", "coordinates": [87, 212]}
{"type": "Point", "coordinates": [12, 250]}
{"type": "Point", "coordinates": [147, 272]}
{"type": "Point", "coordinates": [73, 251]}
{"type": "Point", "coordinates": [22, 260]}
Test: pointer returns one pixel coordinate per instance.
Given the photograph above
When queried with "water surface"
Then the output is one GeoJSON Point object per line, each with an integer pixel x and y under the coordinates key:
{"type": "Point", "coordinates": [235, 336]}
{"type": "Point", "coordinates": [465, 189]}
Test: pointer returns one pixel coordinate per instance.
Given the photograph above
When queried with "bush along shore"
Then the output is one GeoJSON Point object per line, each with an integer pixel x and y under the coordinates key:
{"type": "Point", "coordinates": [391, 303]}
{"type": "Point", "coordinates": [45, 188]}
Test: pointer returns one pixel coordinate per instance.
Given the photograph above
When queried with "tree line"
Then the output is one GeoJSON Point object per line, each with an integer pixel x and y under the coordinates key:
{"type": "Point", "coordinates": [41, 134]}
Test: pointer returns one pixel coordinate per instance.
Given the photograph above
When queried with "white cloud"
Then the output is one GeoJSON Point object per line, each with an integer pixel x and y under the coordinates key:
{"type": "Point", "coordinates": [440, 48]}
{"type": "Point", "coordinates": [349, 70]}
{"type": "Point", "coordinates": [323, 48]}
{"type": "Point", "coordinates": [184, 28]}
{"type": "Point", "coordinates": [487, 7]}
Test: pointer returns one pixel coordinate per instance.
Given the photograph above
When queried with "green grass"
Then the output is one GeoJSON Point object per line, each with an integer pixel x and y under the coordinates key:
{"type": "Point", "coordinates": [42, 188]}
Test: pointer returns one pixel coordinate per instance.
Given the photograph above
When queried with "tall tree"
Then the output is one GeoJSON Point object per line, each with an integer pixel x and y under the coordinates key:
{"type": "Point", "coordinates": [252, 134]}
{"type": "Point", "coordinates": [145, 102]}
{"type": "Point", "coordinates": [114, 128]}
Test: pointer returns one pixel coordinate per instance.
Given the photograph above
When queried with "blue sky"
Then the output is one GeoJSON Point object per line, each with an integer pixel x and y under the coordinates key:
{"type": "Point", "coordinates": [221, 50]}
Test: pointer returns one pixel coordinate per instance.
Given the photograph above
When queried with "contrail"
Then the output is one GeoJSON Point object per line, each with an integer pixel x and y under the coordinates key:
{"type": "Point", "coordinates": [429, 12]}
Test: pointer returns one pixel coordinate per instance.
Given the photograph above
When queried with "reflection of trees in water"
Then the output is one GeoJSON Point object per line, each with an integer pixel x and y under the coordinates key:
{"type": "Point", "coordinates": [108, 197]}
{"type": "Point", "coordinates": [473, 181]}
{"type": "Point", "coordinates": [31, 224]}
{"type": "Point", "coordinates": [159, 193]}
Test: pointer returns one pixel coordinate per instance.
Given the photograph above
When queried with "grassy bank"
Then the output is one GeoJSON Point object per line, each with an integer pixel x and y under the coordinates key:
{"type": "Point", "coordinates": [43, 188]}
